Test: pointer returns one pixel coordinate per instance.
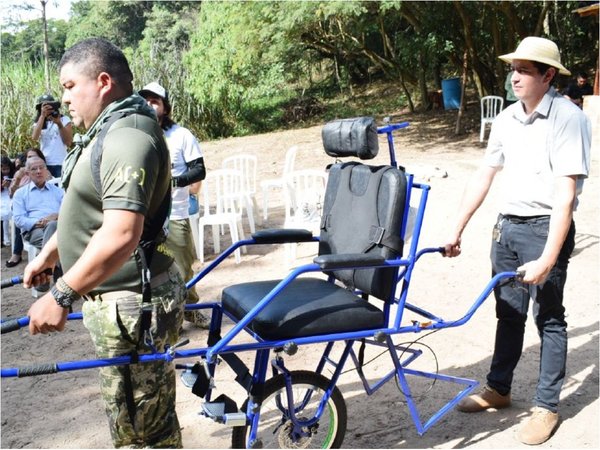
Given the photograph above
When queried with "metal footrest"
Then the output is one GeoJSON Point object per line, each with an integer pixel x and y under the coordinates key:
{"type": "Point", "coordinates": [196, 377]}
{"type": "Point", "coordinates": [224, 410]}
{"type": "Point", "coordinates": [188, 378]}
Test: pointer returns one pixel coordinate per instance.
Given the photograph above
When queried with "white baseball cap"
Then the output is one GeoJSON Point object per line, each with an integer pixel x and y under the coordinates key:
{"type": "Point", "coordinates": [156, 89]}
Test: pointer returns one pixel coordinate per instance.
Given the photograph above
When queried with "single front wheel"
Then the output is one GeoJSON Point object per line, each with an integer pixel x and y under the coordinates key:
{"type": "Point", "coordinates": [276, 430]}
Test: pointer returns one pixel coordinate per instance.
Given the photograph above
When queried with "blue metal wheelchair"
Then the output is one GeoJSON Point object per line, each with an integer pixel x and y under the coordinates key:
{"type": "Point", "coordinates": [353, 295]}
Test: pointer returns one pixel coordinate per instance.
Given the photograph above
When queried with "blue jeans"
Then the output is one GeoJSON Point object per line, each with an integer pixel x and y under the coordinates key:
{"type": "Point", "coordinates": [521, 241]}
{"type": "Point", "coordinates": [56, 171]}
{"type": "Point", "coordinates": [17, 248]}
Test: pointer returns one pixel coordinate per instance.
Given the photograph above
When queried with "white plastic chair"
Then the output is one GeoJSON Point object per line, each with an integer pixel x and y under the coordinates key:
{"type": "Point", "coordinates": [6, 217]}
{"type": "Point", "coordinates": [220, 193]}
{"type": "Point", "coordinates": [278, 183]}
{"type": "Point", "coordinates": [304, 193]}
{"type": "Point", "coordinates": [246, 165]}
{"type": "Point", "coordinates": [491, 105]}
{"type": "Point", "coordinates": [10, 237]}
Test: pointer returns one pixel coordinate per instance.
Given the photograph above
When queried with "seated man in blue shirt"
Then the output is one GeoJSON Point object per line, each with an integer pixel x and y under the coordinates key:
{"type": "Point", "coordinates": [36, 205]}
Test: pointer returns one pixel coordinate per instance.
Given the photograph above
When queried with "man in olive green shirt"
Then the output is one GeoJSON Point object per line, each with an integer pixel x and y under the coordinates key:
{"type": "Point", "coordinates": [98, 237]}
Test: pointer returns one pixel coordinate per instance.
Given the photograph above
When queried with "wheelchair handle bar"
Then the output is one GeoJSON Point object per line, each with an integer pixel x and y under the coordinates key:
{"type": "Point", "coordinates": [11, 281]}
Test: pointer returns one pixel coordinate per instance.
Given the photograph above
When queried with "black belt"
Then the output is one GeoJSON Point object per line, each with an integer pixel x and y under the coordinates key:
{"type": "Point", "coordinates": [524, 219]}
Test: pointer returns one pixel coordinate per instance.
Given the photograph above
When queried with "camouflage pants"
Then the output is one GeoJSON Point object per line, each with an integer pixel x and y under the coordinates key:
{"type": "Point", "coordinates": [180, 244]}
{"type": "Point", "coordinates": [139, 398]}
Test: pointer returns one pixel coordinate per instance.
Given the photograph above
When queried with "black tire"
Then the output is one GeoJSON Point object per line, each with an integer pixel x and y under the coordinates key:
{"type": "Point", "coordinates": [272, 428]}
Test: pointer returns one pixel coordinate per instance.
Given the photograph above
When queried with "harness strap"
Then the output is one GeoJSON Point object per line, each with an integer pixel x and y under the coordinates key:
{"type": "Point", "coordinates": [361, 356]}
{"type": "Point", "coordinates": [243, 376]}
{"type": "Point", "coordinates": [146, 321]}
{"type": "Point", "coordinates": [129, 400]}
{"type": "Point", "coordinates": [380, 236]}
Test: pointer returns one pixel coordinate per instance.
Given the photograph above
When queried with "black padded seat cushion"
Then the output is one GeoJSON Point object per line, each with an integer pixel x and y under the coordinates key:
{"type": "Point", "coordinates": [306, 307]}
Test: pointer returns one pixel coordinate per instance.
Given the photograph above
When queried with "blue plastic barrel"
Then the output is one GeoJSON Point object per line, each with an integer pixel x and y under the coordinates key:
{"type": "Point", "coordinates": [451, 93]}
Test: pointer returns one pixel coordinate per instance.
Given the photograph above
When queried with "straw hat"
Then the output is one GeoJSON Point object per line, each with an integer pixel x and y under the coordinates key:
{"type": "Point", "coordinates": [537, 49]}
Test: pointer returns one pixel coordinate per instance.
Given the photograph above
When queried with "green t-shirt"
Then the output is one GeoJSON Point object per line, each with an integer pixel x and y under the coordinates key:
{"type": "Point", "coordinates": [135, 174]}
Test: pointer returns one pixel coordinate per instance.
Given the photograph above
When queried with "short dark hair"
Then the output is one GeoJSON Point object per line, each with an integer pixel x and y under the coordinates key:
{"type": "Point", "coordinates": [543, 68]}
{"type": "Point", "coordinates": [100, 55]}
{"type": "Point", "coordinates": [37, 152]}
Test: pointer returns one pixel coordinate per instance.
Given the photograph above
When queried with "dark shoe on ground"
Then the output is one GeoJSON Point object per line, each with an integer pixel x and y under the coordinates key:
{"type": "Point", "coordinates": [198, 319]}
{"type": "Point", "coordinates": [485, 399]}
{"type": "Point", "coordinates": [538, 428]}
{"type": "Point", "coordinates": [12, 262]}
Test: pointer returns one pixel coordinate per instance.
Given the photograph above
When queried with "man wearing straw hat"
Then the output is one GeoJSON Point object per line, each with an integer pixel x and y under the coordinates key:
{"type": "Point", "coordinates": [542, 145]}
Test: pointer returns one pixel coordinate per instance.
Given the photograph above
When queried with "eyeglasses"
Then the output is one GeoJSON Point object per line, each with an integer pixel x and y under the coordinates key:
{"type": "Point", "coordinates": [37, 169]}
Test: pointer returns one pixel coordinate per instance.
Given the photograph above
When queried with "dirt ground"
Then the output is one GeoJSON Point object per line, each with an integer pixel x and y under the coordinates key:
{"type": "Point", "coordinates": [64, 410]}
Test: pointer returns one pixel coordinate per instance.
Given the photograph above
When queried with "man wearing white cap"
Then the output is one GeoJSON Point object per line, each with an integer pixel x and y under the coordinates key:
{"type": "Point", "coordinates": [542, 145]}
{"type": "Point", "coordinates": [187, 170]}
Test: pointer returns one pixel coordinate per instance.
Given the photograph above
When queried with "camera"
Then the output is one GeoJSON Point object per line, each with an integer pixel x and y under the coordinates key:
{"type": "Point", "coordinates": [55, 107]}
{"type": "Point", "coordinates": [54, 104]}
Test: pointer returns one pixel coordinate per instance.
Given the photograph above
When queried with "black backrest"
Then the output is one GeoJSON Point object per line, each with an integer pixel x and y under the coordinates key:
{"type": "Point", "coordinates": [362, 213]}
{"type": "Point", "coordinates": [351, 137]}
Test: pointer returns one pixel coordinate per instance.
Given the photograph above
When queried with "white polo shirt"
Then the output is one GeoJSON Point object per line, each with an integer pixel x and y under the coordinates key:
{"type": "Point", "coordinates": [533, 150]}
{"type": "Point", "coordinates": [183, 148]}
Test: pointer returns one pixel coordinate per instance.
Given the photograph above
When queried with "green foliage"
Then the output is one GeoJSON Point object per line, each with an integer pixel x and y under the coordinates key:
{"type": "Point", "coordinates": [236, 67]}
{"type": "Point", "coordinates": [27, 43]}
{"type": "Point", "coordinates": [122, 22]}
{"type": "Point", "coordinates": [22, 83]}
{"type": "Point", "coordinates": [238, 75]}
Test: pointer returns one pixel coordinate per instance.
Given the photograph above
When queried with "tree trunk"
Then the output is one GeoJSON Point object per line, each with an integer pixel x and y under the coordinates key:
{"type": "Point", "coordinates": [46, 53]}
{"type": "Point", "coordinates": [461, 109]}
{"type": "Point", "coordinates": [411, 106]}
{"type": "Point", "coordinates": [426, 104]}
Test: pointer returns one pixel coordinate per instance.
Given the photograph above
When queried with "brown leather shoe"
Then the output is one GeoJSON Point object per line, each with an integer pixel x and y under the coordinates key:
{"type": "Point", "coordinates": [487, 398]}
{"type": "Point", "coordinates": [538, 427]}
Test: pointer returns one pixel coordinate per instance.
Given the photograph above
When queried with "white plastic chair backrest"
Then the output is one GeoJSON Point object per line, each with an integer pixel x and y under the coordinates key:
{"type": "Point", "coordinates": [246, 164]}
{"type": "Point", "coordinates": [491, 105]}
{"type": "Point", "coordinates": [220, 191]}
{"type": "Point", "coordinates": [290, 160]}
{"type": "Point", "coordinates": [304, 193]}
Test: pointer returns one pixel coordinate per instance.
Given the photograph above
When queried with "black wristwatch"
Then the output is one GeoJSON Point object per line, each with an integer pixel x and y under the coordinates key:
{"type": "Point", "coordinates": [65, 296]}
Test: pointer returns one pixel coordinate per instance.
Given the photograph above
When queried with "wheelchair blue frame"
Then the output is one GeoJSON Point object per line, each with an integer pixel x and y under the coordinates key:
{"type": "Point", "coordinates": [402, 355]}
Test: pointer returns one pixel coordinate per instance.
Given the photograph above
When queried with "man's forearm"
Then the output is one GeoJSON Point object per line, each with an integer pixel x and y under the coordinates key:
{"type": "Point", "coordinates": [107, 251]}
{"type": "Point", "coordinates": [24, 223]}
{"type": "Point", "coordinates": [560, 219]}
{"type": "Point", "coordinates": [473, 196]}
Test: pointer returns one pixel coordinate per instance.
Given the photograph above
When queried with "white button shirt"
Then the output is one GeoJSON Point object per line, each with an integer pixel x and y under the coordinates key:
{"type": "Point", "coordinates": [532, 150]}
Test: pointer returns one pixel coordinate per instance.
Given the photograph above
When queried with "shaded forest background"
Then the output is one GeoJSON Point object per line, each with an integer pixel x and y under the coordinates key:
{"type": "Point", "coordinates": [237, 68]}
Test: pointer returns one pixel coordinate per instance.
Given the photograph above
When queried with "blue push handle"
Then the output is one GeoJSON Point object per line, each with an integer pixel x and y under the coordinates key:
{"type": "Point", "coordinates": [11, 281]}
{"type": "Point", "coordinates": [15, 324]}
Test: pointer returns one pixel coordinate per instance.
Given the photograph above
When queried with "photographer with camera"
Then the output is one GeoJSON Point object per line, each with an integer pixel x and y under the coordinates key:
{"type": "Point", "coordinates": [54, 131]}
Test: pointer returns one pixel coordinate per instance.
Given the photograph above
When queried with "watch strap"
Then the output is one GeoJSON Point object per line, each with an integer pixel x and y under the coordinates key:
{"type": "Point", "coordinates": [62, 299]}
{"type": "Point", "coordinates": [64, 287]}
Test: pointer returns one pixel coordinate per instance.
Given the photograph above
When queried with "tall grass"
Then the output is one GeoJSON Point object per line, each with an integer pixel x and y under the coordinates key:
{"type": "Point", "coordinates": [21, 83]}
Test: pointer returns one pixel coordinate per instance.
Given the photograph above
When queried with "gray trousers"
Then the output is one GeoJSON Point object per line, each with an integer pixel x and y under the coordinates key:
{"type": "Point", "coordinates": [518, 242]}
{"type": "Point", "coordinates": [39, 236]}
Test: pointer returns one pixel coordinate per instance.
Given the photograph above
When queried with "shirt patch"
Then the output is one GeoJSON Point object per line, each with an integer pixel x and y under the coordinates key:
{"type": "Point", "coordinates": [128, 174]}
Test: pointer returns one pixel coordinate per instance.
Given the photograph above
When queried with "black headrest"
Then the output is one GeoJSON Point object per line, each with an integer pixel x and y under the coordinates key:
{"type": "Point", "coordinates": [351, 137]}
